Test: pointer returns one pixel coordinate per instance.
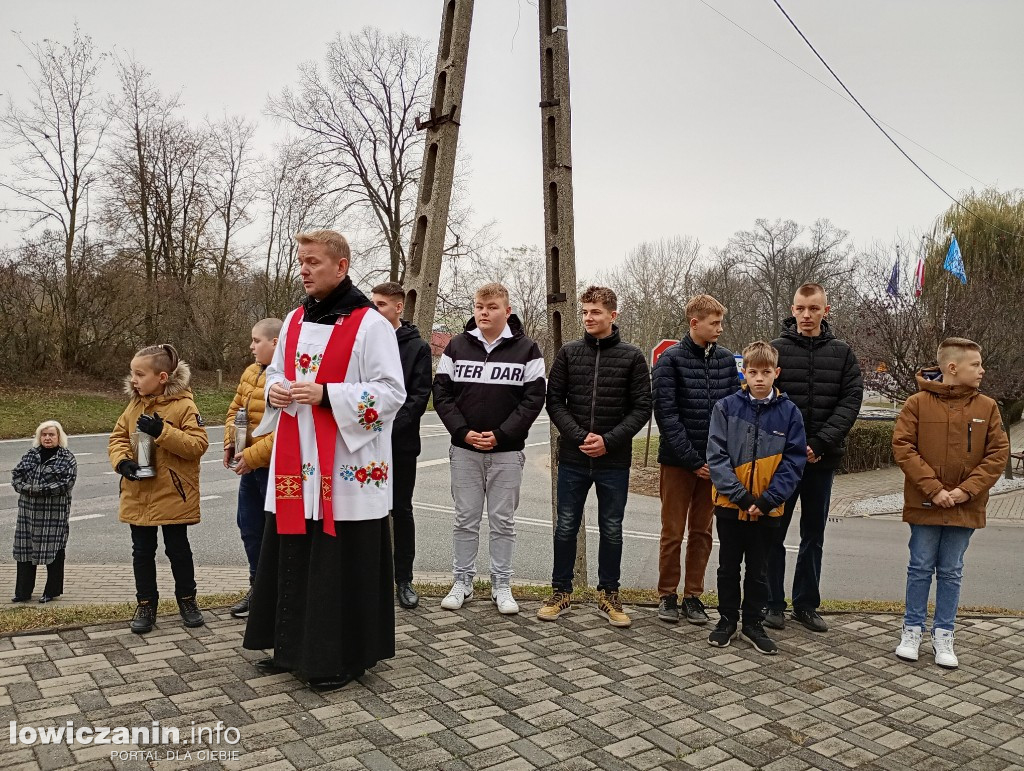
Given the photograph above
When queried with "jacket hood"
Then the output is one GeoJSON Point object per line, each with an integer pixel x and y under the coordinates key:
{"type": "Point", "coordinates": [513, 323]}
{"type": "Point", "coordinates": [790, 330]}
{"type": "Point", "coordinates": [605, 342]}
{"type": "Point", "coordinates": [708, 350]}
{"type": "Point", "coordinates": [407, 331]}
{"type": "Point", "coordinates": [177, 384]}
{"type": "Point", "coordinates": [929, 379]}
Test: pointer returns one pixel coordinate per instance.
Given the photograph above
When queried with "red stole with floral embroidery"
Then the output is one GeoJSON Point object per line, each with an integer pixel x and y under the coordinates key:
{"type": "Point", "coordinates": [291, 510]}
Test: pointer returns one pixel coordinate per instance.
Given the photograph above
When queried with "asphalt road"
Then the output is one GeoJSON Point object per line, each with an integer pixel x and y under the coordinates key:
{"type": "Point", "coordinates": [864, 558]}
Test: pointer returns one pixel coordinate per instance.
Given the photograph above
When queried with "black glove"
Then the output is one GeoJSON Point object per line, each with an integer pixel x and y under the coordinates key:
{"type": "Point", "coordinates": [129, 469]}
{"type": "Point", "coordinates": [151, 424]}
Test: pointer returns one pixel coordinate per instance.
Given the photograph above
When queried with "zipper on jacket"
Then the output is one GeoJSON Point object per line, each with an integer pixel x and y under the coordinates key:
{"type": "Point", "coordinates": [968, 437]}
{"type": "Point", "coordinates": [593, 396]}
{"type": "Point", "coordinates": [707, 375]}
{"type": "Point", "coordinates": [753, 457]}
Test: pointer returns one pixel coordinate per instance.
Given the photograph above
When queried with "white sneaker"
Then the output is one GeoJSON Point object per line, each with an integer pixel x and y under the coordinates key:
{"type": "Point", "coordinates": [460, 593]}
{"type": "Point", "coordinates": [942, 646]}
{"type": "Point", "coordinates": [910, 643]}
{"type": "Point", "coordinates": [502, 597]}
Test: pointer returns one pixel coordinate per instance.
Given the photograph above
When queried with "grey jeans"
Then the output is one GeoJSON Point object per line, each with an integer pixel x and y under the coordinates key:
{"type": "Point", "coordinates": [494, 479]}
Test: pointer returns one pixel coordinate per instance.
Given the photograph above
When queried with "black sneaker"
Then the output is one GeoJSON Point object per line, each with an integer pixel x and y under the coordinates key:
{"type": "Point", "coordinates": [190, 613]}
{"type": "Point", "coordinates": [694, 610]}
{"type": "Point", "coordinates": [241, 608]}
{"type": "Point", "coordinates": [775, 619]}
{"type": "Point", "coordinates": [144, 618]}
{"type": "Point", "coordinates": [757, 637]}
{"type": "Point", "coordinates": [811, 620]}
{"type": "Point", "coordinates": [724, 634]}
{"type": "Point", "coordinates": [668, 609]}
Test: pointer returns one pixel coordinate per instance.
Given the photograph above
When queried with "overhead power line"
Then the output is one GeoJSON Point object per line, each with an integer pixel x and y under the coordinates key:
{"type": "Point", "coordinates": [825, 85]}
{"type": "Point", "coordinates": [896, 144]}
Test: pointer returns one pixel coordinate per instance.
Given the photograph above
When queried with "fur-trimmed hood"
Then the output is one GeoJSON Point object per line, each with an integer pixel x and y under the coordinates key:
{"type": "Point", "coordinates": [177, 384]}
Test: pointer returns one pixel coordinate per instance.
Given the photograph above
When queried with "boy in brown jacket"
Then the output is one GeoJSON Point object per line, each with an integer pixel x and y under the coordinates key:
{"type": "Point", "coordinates": [951, 446]}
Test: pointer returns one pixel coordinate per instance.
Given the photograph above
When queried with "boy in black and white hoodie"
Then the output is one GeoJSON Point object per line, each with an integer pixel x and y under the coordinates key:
{"type": "Point", "coordinates": [488, 390]}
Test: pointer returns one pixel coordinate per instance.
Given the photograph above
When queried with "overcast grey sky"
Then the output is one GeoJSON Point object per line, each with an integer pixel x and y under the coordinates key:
{"type": "Point", "coordinates": [682, 123]}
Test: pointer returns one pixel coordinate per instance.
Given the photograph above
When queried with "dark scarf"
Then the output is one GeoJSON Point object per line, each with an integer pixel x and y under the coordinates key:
{"type": "Point", "coordinates": [45, 453]}
{"type": "Point", "coordinates": [341, 301]}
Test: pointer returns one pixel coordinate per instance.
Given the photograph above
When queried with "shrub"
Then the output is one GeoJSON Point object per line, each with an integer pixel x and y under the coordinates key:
{"type": "Point", "coordinates": [868, 446]}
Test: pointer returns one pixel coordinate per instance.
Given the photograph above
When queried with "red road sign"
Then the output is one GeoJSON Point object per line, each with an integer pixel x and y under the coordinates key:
{"type": "Point", "coordinates": [659, 349]}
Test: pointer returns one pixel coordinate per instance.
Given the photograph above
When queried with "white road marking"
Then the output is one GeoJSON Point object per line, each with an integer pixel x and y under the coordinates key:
{"type": "Point", "coordinates": [85, 516]}
{"type": "Point", "coordinates": [208, 497]}
{"type": "Point", "coordinates": [547, 523]}
{"type": "Point", "coordinates": [445, 461]}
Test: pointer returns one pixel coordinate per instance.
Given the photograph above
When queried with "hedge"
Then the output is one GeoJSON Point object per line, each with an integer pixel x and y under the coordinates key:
{"type": "Point", "coordinates": [868, 446]}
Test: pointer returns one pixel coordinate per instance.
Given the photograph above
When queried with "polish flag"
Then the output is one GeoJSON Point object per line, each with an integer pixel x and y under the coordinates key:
{"type": "Point", "coordinates": [919, 277]}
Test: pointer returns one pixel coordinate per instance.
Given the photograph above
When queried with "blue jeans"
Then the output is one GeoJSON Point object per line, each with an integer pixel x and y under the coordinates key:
{"type": "Point", "coordinates": [938, 550]}
{"type": "Point", "coordinates": [814, 493]}
{"type": "Point", "coordinates": [612, 490]}
{"type": "Point", "coordinates": [252, 518]}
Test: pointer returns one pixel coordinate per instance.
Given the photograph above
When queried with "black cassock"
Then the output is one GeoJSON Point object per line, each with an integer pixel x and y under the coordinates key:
{"type": "Point", "coordinates": [325, 604]}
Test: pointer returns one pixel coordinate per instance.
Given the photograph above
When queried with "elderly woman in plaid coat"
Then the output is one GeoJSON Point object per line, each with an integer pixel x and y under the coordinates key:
{"type": "Point", "coordinates": [43, 478]}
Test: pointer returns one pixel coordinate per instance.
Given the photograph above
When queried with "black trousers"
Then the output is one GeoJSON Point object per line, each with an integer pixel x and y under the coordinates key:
{"type": "Point", "coordinates": [739, 542]}
{"type": "Point", "coordinates": [178, 551]}
{"type": "Point", "coordinates": [403, 476]}
{"type": "Point", "coordinates": [25, 581]}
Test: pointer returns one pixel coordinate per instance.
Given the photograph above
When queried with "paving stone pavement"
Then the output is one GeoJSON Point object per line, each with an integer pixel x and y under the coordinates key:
{"type": "Point", "coordinates": [475, 690]}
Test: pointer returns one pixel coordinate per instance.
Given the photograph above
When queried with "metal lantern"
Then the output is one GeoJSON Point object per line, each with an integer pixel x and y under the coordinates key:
{"type": "Point", "coordinates": [241, 434]}
{"type": "Point", "coordinates": [145, 455]}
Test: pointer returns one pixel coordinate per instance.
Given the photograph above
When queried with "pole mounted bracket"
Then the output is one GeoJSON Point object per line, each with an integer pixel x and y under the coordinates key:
{"type": "Point", "coordinates": [436, 120]}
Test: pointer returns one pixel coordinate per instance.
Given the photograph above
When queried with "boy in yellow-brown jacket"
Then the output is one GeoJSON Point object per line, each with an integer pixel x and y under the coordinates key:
{"type": "Point", "coordinates": [950, 444]}
{"type": "Point", "coordinates": [252, 464]}
{"type": "Point", "coordinates": [161, 407]}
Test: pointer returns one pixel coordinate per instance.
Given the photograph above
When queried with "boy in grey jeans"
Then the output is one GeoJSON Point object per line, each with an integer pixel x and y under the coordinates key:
{"type": "Point", "coordinates": [488, 390]}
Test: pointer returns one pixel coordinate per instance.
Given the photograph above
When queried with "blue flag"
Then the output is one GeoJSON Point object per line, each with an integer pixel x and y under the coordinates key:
{"type": "Point", "coordinates": [893, 290]}
{"type": "Point", "coordinates": [955, 262]}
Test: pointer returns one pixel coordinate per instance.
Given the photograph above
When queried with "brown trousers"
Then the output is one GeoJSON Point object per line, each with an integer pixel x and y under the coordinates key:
{"type": "Point", "coordinates": [686, 505]}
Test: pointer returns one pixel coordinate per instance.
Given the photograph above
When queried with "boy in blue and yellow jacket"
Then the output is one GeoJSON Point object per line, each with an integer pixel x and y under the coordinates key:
{"type": "Point", "coordinates": [757, 450]}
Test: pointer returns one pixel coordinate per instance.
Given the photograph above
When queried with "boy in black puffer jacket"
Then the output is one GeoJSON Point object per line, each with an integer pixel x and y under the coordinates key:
{"type": "Point", "coordinates": [599, 397]}
{"type": "Point", "coordinates": [822, 377]}
{"type": "Point", "coordinates": [689, 379]}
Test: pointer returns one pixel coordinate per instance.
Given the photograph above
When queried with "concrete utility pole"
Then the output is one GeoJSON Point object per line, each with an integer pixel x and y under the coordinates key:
{"type": "Point", "coordinates": [436, 178]}
{"type": "Point", "coordinates": [559, 238]}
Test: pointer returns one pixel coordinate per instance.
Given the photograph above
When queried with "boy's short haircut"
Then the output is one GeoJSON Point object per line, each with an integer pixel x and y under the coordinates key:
{"type": "Point", "coordinates": [494, 289]}
{"type": "Point", "coordinates": [600, 295]}
{"type": "Point", "coordinates": [162, 358]}
{"type": "Point", "coordinates": [810, 289]}
{"type": "Point", "coordinates": [702, 306]}
{"type": "Point", "coordinates": [390, 289]}
{"type": "Point", "coordinates": [335, 242]}
{"type": "Point", "coordinates": [760, 354]}
{"type": "Point", "coordinates": [953, 349]}
{"type": "Point", "coordinates": [268, 328]}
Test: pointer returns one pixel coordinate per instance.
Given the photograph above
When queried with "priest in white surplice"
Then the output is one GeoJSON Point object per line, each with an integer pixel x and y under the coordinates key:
{"type": "Point", "coordinates": [323, 597]}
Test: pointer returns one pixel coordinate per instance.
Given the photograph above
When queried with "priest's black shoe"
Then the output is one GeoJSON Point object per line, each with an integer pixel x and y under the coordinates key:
{"type": "Point", "coordinates": [20, 599]}
{"type": "Point", "coordinates": [48, 597]}
{"type": "Point", "coordinates": [407, 596]}
{"type": "Point", "coordinates": [270, 667]}
{"type": "Point", "coordinates": [324, 684]}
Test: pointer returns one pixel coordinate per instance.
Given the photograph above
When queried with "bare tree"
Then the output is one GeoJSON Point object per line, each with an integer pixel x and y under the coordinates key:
{"type": "Point", "coordinates": [776, 265]}
{"type": "Point", "coordinates": [653, 284]}
{"type": "Point", "coordinates": [56, 138]}
{"type": "Point", "coordinates": [357, 118]}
